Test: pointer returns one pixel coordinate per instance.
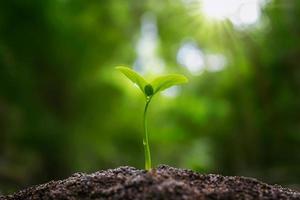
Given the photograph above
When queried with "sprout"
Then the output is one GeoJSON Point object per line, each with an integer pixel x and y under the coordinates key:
{"type": "Point", "coordinates": [149, 89]}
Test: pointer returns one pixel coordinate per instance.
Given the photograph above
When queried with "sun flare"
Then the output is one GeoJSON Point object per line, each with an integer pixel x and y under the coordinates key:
{"type": "Point", "coordinates": [239, 12]}
{"type": "Point", "coordinates": [219, 9]}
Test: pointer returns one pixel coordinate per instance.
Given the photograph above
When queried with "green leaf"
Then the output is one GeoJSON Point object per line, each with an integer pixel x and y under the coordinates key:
{"type": "Point", "coordinates": [133, 76]}
{"type": "Point", "coordinates": [163, 82]}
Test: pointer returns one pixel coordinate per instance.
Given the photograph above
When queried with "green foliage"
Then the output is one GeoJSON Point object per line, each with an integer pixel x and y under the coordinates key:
{"type": "Point", "coordinates": [134, 77]}
{"type": "Point", "coordinates": [164, 82]}
{"type": "Point", "coordinates": [158, 84]}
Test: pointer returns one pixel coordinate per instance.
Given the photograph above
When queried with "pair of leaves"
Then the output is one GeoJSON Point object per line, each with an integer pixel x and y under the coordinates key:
{"type": "Point", "coordinates": [158, 84]}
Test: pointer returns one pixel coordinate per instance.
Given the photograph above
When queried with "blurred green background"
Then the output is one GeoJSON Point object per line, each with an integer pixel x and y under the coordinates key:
{"type": "Point", "coordinates": [64, 108]}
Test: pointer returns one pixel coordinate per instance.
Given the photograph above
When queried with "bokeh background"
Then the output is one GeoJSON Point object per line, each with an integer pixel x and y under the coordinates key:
{"type": "Point", "coordinates": [64, 108]}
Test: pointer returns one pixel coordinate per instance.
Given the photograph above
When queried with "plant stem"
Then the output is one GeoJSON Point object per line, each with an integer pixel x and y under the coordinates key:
{"type": "Point", "coordinates": [146, 139]}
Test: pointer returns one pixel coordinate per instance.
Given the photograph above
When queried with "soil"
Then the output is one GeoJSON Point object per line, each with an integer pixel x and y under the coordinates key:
{"type": "Point", "coordinates": [164, 182]}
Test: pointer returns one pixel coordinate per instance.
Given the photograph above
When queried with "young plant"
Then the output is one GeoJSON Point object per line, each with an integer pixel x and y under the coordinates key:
{"type": "Point", "coordinates": [150, 89]}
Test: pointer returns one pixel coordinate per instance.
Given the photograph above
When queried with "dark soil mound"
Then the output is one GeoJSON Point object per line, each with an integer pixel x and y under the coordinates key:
{"type": "Point", "coordinates": [162, 183]}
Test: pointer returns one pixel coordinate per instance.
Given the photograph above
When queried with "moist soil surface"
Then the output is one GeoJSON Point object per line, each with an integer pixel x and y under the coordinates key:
{"type": "Point", "coordinates": [164, 182]}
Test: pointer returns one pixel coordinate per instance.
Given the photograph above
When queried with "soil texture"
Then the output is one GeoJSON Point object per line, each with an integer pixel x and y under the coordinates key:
{"type": "Point", "coordinates": [164, 182]}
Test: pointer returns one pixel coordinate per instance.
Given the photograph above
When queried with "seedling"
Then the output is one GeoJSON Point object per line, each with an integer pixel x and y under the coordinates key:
{"type": "Point", "coordinates": [149, 89]}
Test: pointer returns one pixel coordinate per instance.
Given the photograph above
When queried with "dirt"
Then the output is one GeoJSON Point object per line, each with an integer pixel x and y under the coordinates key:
{"type": "Point", "coordinates": [161, 183]}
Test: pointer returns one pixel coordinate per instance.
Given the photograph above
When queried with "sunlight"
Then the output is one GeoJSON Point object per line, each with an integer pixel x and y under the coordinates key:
{"type": "Point", "coordinates": [239, 12]}
{"type": "Point", "coordinates": [215, 62]}
{"type": "Point", "coordinates": [191, 57]}
{"type": "Point", "coordinates": [219, 9]}
{"type": "Point", "coordinates": [196, 61]}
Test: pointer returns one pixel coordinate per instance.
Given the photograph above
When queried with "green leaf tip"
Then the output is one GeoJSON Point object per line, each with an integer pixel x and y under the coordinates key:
{"type": "Point", "coordinates": [133, 76]}
{"type": "Point", "coordinates": [164, 82]}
